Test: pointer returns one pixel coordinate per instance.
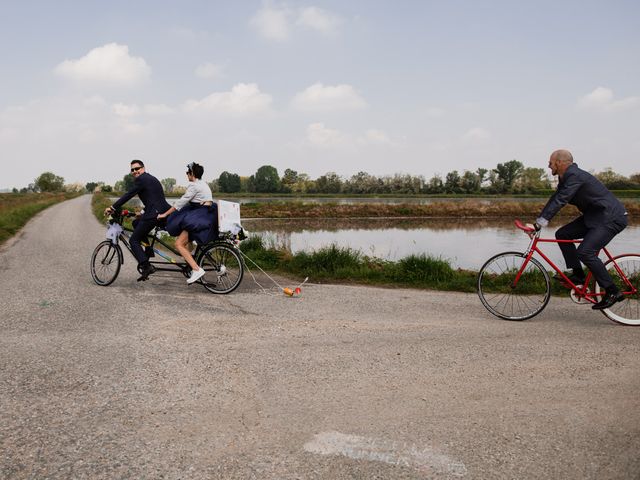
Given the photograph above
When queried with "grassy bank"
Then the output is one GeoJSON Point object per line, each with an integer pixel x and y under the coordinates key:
{"type": "Point", "coordinates": [16, 209]}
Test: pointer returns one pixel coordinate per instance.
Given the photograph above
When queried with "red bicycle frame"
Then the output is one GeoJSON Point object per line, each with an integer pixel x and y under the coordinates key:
{"type": "Point", "coordinates": [581, 292]}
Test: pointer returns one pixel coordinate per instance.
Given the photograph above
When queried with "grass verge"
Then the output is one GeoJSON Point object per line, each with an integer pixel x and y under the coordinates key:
{"type": "Point", "coordinates": [16, 209]}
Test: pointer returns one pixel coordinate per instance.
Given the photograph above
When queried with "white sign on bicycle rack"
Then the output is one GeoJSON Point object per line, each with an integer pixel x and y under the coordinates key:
{"type": "Point", "coordinates": [228, 216]}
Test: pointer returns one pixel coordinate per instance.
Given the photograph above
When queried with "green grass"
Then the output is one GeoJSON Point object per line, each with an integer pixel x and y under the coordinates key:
{"type": "Point", "coordinates": [345, 265]}
{"type": "Point", "coordinates": [16, 209]}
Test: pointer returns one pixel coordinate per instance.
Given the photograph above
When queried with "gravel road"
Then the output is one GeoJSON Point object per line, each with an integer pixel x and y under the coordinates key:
{"type": "Point", "coordinates": [160, 380]}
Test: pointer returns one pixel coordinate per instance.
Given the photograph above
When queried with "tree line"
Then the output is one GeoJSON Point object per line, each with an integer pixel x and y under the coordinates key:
{"type": "Point", "coordinates": [511, 177]}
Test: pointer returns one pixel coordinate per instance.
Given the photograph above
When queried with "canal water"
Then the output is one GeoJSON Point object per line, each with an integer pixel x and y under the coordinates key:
{"type": "Point", "coordinates": [466, 243]}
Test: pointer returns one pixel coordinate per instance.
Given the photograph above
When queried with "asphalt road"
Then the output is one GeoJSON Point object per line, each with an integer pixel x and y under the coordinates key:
{"type": "Point", "coordinates": [160, 380]}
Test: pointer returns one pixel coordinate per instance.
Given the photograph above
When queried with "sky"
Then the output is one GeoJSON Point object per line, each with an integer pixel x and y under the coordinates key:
{"type": "Point", "coordinates": [418, 87]}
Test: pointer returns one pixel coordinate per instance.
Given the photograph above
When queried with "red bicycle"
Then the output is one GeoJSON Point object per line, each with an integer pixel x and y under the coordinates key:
{"type": "Point", "coordinates": [515, 285]}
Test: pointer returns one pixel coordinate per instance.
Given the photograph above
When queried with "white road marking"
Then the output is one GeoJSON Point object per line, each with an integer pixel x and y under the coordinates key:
{"type": "Point", "coordinates": [379, 450]}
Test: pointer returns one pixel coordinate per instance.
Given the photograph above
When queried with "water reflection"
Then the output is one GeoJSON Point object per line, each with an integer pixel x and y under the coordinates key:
{"type": "Point", "coordinates": [467, 243]}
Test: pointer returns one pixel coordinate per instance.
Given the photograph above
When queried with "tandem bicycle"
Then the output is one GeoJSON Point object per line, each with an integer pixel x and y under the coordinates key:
{"type": "Point", "coordinates": [516, 286]}
{"type": "Point", "coordinates": [221, 258]}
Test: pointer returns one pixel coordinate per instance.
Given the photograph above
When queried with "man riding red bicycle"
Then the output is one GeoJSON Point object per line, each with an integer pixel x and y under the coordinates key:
{"type": "Point", "coordinates": [603, 217]}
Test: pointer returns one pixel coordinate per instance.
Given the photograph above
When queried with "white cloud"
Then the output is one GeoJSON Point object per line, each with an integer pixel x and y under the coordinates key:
{"type": "Point", "coordinates": [209, 71]}
{"type": "Point", "coordinates": [476, 135]}
{"type": "Point", "coordinates": [123, 110]}
{"type": "Point", "coordinates": [375, 137]}
{"type": "Point", "coordinates": [318, 19]}
{"type": "Point", "coordinates": [110, 64]}
{"type": "Point", "coordinates": [320, 136]}
{"type": "Point", "coordinates": [318, 97]}
{"type": "Point", "coordinates": [243, 99]}
{"type": "Point", "coordinates": [272, 23]}
{"type": "Point", "coordinates": [157, 109]}
{"type": "Point", "coordinates": [278, 22]}
{"type": "Point", "coordinates": [602, 98]}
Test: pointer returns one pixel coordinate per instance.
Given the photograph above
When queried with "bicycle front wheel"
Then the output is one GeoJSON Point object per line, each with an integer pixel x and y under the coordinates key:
{"type": "Point", "coordinates": [627, 280]}
{"type": "Point", "coordinates": [512, 299]}
{"type": "Point", "coordinates": [224, 268]}
{"type": "Point", "coordinates": [105, 263]}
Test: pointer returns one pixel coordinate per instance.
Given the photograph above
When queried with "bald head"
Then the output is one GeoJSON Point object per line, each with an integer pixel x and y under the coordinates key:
{"type": "Point", "coordinates": [563, 156]}
{"type": "Point", "coordinates": [560, 161]}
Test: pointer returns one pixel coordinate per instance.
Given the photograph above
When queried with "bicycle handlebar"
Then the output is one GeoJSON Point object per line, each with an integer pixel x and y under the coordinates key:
{"type": "Point", "coordinates": [523, 227]}
{"type": "Point", "coordinates": [118, 215]}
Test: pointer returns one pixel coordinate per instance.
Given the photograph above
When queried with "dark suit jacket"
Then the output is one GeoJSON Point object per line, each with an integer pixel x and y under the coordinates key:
{"type": "Point", "coordinates": [598, 205]}
{"type": "Point", "coordinates": [149, 189]}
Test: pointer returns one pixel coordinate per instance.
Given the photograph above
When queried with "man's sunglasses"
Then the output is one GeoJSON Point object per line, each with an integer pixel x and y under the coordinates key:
{"type": "Point", "coordinates": [135, 169]}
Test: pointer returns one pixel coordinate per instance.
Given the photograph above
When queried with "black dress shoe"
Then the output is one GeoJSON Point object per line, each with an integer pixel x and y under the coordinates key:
{"type": "Point", "coordinates": [608, 300]}
{"type": "Point", "coordinates": [145, 271]}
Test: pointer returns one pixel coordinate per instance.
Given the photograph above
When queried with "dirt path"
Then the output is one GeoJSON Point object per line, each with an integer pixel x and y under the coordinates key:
{"type": "Point", "coordinates": [161, 380]}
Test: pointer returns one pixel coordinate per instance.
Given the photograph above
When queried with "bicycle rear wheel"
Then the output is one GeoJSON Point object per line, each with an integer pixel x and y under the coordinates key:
{"type": "Point", "coordinates": [105, 263]}
{"type": "Point", "coordinates": [626, 312]}
{"type": "Point", "coordinates": [509, 301]}
{"type": "Point", "coordinates": [223, 266]}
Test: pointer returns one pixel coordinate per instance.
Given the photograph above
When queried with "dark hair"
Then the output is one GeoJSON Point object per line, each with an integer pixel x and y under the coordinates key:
{"type": "Point", "coordinates": [137, 161]}
{"type": "Point", "coordinates": [196, 170]}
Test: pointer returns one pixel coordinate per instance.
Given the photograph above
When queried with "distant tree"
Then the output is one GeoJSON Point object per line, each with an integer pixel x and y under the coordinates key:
{"type": "Point", "coordinates": [303, 184]}
{"type": "Point", "coordinates": [168, 184]}
{"type": "Point", "coordinates": [452, 182]}
{"type": "Point", "coordinates": [15, 190]}
{"type": "Point", "coordinates": [362, 182]}
{"type": "Point", "coordinates": [125, 184]}
{"type": "Point", "coordinates": [615, 181]}
{"type": "Point", "coordinates": [435, 185]}
{"type": "Point", "coordinates": [213, 185]}
{"type": "Point", "coordinates": [229, 182]}
{"type": "Point", "coordinates": [399, 183]}
{"type": "Point", "coordinates": [49, 182]}
{"type": "Point", "coordinates": [245, 184]}
{"type": "Point", "coordinates": [496, 184]}
{"type": "Point", "coordinates": [266, 180]}
{"type": "Point", "coordinates": [482, 174]}
{"type": "Point", "coordinates": [531, 180]}
{"type": "Point", "coordinates": [106, 188]}
{"type": "Point", "coordinates": [329, 183]}
{"type": "Point", "coordinates": [289, 179]}
{"type": "Point", "coordinates": [507, 174]}
{"type": "Point", "coordinates": [91, 186]}
{"type": "Point", "coordinates": [75, 187]}
{"type": "Point", "coordinates": [470, 182]}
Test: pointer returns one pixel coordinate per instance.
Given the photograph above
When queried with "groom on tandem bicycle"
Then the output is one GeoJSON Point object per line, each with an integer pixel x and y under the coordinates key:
{"type": "Point", "coordinates": [603, 217]}
{"type": "Point", "coordinates": [150, 191]}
